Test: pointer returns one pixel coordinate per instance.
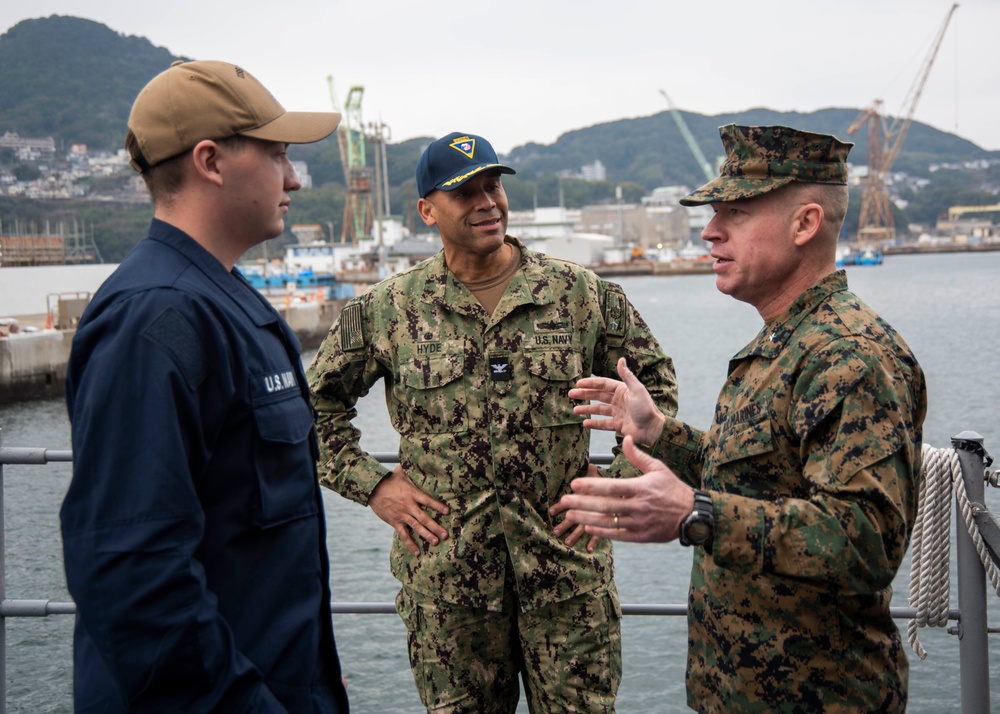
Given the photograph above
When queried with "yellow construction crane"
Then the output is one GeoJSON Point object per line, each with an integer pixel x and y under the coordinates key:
{"type": "Point", "coordinates": [358, 212]}
{"type": "Point", "coordinates": [884, 142]}
{"type": "Point", "coordinates": [956, 212]}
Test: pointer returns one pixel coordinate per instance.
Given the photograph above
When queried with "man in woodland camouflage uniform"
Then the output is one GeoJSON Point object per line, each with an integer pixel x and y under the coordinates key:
{"type": "Point", "coordinates": [478, 347]}
{"type": "Point", "coordinates": [800, 498]}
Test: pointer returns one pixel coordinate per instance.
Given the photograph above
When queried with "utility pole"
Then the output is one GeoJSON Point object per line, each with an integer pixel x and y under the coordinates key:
{"type": "Point", "coordinates": [618, 198]}
{"type": "Point", "coordinates": [378, 133]}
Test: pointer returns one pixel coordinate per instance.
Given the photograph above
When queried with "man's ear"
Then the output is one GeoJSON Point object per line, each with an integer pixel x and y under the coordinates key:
{"type": "Point", "coordinates": [426, 210]}
{"type": "Point", "coordinates": [206, 154]}
{"type": "Point", "coordinates": [806, 222]}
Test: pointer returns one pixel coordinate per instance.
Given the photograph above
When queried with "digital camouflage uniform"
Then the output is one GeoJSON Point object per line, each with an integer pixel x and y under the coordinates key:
{"type": "Point", "coordinates": [812, 465]}
{"type": "Point", "coordinates": [480, 403]}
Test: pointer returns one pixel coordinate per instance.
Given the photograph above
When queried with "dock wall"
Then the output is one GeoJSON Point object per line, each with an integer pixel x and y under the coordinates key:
{"type": "Point", "coordinates": [33, 364]}
{"type": "Point", "coordinates": [311, 321]}
{"type": "Point", "coordinates": [654, 267]}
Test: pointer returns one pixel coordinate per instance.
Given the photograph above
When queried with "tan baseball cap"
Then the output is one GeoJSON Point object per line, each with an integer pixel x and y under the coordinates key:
{"type": "Point", "coordinates": [760, 159]}
{"type": "Point", "coordinates": [194, 101]}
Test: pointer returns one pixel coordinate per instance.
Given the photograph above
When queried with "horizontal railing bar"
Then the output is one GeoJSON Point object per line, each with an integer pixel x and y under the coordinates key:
{"type": "Point", "coordinates": [36, 608]}
{"type": "Point", "coordinates": [363, 608]}
{"type": "Point", "coordinates": [28, 455]}
{"type": "Point", "coordinates": [22, 455]}
{"type": "Point", "coordinates": [43, 608]}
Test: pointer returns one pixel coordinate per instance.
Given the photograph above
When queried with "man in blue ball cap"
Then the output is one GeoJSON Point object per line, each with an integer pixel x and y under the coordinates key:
{"type": "Point", "coordinates": [478, 347]}
{"type": "Point", "coordinates": [452, 160]}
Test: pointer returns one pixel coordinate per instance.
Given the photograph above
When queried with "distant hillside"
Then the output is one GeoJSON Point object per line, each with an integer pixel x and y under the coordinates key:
{"type": "Point", "coordinates": [73, 79]}
{"type": "Point", "coordinates": [651, 150]}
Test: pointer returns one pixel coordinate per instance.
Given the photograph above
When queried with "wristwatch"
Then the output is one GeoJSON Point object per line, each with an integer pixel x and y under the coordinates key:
{"type": "Point", "coordinates": [698, 527]}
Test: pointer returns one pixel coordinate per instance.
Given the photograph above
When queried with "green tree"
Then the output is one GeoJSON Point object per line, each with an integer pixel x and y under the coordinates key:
{"type": "Point", "coordinates": [26, 172]}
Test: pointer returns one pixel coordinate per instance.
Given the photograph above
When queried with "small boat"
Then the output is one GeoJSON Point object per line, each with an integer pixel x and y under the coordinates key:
{"type": "Point", "coordinates": [301, 283]}
{"type": "Point", "coordinates": [302, 279]}
{"type": "Point", "coordinates": [867, 256]}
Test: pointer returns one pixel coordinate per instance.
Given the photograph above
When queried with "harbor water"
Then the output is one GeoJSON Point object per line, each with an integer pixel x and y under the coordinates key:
{"type": "Point", "coordinates": [947, 307]}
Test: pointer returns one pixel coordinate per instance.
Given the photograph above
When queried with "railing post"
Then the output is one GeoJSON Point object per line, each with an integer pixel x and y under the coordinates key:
{"type": "Point", "coordinates": [3, 593]}
{"type": "Point", "coordinates": [973, 625]}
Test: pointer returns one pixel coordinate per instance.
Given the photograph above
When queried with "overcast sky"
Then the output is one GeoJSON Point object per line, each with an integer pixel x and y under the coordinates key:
{"type": "Point", "coordinates": [530, 70]}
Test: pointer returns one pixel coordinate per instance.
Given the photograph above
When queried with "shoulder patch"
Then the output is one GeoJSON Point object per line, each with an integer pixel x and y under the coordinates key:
{"type": "Point", "coordinates": [173, 334]}
{"type": "Point", "coordinates": [352, 336]}
{"type": "Point", "coordinates": [614, 311]}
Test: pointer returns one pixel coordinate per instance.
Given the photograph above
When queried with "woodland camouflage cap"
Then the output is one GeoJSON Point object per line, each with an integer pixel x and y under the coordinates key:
{"type": "Point", "coordinates": [762, 158]}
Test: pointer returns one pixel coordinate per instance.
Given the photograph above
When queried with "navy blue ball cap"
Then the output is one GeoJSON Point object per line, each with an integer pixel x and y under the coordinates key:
{"type": "Point", "coordinates": [452, 160]}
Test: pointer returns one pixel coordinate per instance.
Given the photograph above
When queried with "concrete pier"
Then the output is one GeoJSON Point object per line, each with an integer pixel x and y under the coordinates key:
{"type": "Point", "coordinates": [311, 321]}
{"type": "Point", "coordinates": [33, 364]}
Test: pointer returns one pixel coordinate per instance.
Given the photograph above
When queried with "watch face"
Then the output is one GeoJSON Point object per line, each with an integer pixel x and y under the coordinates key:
{"type": "Point", "coordinates": [698, 532]}
{"type": "Point", "coordinates": [699, 526]}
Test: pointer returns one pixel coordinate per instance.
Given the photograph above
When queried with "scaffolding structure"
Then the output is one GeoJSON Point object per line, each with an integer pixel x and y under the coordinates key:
{"type": "Point", "coordinates": [60, 244]}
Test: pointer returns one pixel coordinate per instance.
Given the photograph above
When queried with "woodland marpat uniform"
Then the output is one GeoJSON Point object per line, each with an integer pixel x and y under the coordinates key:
{"type": "Point", "coordinates": [765, 158]}
{"type": "Point", "coordinates": [485, 423]}
{"type": "Point", "coordinates": [812, 463]}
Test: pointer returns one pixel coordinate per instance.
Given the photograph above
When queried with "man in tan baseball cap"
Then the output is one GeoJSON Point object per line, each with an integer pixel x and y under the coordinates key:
{"type": "Point", "coordinates": [193, 529]}
{"type": "Point", "coordinates": [192, 101]}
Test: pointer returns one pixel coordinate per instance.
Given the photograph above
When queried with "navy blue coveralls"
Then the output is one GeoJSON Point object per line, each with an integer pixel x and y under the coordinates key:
{"type": "Point", "coordinates": [193, 529]}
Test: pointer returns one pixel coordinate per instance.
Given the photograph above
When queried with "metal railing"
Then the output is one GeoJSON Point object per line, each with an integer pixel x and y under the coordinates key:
{"type": "Point", "coordinates": [971, 613]}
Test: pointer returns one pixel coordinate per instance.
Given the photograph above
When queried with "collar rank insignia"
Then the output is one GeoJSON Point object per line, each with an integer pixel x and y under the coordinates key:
{"type": "Point", "coordinates": [500, 368]}
{"type": "Point", "coordinates": [464, 145]}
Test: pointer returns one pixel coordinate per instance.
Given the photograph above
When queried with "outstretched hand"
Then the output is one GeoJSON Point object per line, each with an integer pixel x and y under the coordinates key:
{"type": "Point", "coordinates": [630, 409]}
{"type": "Point", "coordinates": [647, 508]}
{"type": "Point", "coordinates": [401, 504]}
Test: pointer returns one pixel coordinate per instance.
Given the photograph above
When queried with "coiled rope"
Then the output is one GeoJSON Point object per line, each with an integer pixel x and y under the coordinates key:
{"type": "Point", "coordinates": [930, 546]}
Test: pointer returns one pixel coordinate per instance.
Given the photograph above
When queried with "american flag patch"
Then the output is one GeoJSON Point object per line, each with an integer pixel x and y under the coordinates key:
{"type": "Point", "coordinates": [352, 337]}
{"type": "Point", "coordinates": [614, 313]}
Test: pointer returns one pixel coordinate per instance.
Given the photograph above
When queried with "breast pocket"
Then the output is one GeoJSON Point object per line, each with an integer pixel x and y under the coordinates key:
{"type": "Point", "coordinates": [434, 392]}
{"type": "Point", "coordinates": [552, 373]}
{"type": "Point", "coordinates": [746, 460]}
{"type": "Point", "coordinates": [745, 440]}
{"type": "Point", "coordinates": [283, 461]}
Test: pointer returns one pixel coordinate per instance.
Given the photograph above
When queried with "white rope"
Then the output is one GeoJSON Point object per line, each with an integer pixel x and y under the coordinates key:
{"type": "Point", "coordinates": [930, 545]}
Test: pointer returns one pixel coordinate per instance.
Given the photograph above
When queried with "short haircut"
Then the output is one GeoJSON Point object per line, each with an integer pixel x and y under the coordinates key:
{"type": "Point", "coordinates": [832, 197]}
{"type": "Point", "coordinates": [166, 179]}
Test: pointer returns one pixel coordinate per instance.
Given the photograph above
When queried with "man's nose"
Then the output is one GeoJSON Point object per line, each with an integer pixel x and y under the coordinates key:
{"type": "Point", "coordinates": [711, 231]}
{"type": "Point", "coordinates": [292, 182]}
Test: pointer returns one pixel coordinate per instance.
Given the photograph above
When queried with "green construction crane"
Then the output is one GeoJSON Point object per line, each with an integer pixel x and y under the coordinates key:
{"type": "Point", "coordinates": [706, 168]}
{"type": "Point", "coordinates": [358, 211]}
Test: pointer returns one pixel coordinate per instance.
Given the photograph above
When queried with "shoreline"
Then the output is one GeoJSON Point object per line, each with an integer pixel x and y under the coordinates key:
{"type": "Point", "coordinates": [33, 361]}
{"type": "Point", "coordinates": [654, 267]}
{"type": "Point", "coordinates": [937, 249]}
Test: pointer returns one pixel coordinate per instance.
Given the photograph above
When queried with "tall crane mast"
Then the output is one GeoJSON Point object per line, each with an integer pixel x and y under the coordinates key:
{"type": "Point", "coordinates": [885, 140]}
{"type": "Point", "coordinates": [358, 211]}
{"type": "Point", "coordinates": [703, 164]}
